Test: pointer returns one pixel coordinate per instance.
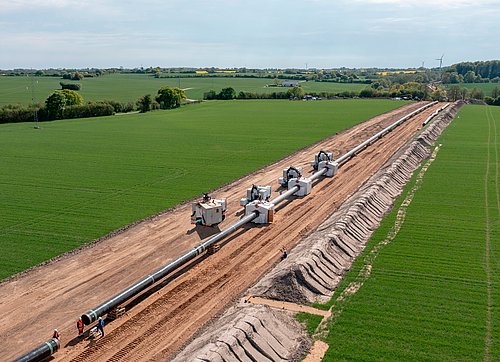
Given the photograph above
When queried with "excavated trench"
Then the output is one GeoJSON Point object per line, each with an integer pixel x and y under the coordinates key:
{"type": "Point", "coordinates": [314, 267]}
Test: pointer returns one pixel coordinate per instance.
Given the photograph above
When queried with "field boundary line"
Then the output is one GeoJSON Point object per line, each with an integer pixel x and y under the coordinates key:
{"type": "Point", "coordinates": [365, 272]}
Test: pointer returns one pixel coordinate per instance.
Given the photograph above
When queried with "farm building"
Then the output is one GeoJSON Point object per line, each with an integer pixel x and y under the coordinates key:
{"type": "Point", "coordinates": [290, 83]}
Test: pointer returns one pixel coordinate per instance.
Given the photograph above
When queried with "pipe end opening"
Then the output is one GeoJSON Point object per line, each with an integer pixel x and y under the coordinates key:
{"type": "Point", "coordinates": [86, 319]}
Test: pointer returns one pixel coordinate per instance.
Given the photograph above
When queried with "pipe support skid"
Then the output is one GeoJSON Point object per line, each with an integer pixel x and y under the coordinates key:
{"type": "Point", "coordinates": [93, 314]}
{"type": "Point", "coordinates": [41, 352]}
{"type": "Point", "coordinates": [296, 189]}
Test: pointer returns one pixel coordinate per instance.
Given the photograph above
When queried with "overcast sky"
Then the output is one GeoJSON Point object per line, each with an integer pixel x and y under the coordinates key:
{"type": "Point", "coordinates": [235, 33]}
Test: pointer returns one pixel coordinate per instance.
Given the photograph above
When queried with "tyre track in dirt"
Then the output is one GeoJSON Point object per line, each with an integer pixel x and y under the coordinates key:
{"type": "Point", "coordinates": [213, 284]}
{"type": "Point", "coordinates": [487, 244]}
{"type": "Point", "coordinates": [55, 294]}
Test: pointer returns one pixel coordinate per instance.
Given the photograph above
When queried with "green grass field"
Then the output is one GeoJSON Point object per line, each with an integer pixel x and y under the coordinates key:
{"type": "Point", "coordinates": [129, 87]}
{"type": "Point", "coordinates": [76, 180]}
{"type": "Point", "coordinates": [433, 291]}
{"type": "Point", "coordinates": [486, 87]}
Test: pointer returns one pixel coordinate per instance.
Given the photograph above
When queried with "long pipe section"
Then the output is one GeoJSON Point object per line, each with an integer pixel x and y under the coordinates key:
{"type": "Point", "coordinates": [41, 352]}
{"type": "Point", "coordinates": [341, 160]}
{"type": "Point", "coordinates": [434, 114]}
{"type": "Point", "coordinates": [93, 314]}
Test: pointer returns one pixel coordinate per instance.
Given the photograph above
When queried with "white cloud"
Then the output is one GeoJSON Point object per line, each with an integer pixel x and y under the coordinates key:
{"type": "Point", "coordinates": [231, 32]}
{"type": "Point", "coordinates": [10, 5]}
{"type": "Point", "coordinates": [431, 3]}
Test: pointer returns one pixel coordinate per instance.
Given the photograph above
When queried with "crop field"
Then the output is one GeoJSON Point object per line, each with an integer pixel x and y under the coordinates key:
{"type": "Point", "coordinates": [433, 290]}
{"type": "Point", "coordinates": [129, 87]}
{"type": "Point", "coordinates": [76, 180]}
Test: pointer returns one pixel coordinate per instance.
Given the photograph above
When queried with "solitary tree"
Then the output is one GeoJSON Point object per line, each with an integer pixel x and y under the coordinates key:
{"type": "Point", "coordinates": [170, 97]}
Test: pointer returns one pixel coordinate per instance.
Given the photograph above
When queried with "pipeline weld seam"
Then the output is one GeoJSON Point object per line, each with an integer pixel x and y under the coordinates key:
{"type": "Point", "coordinates": [50, 347]}
{"type": "Point", "coordinates": [365, 272]}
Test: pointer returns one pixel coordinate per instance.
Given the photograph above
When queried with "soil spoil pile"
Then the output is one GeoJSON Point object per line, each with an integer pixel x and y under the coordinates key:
{"type": "Point", "coordinates": [315, 267]}
{"type": "Point", "coordinates": [249, 332]}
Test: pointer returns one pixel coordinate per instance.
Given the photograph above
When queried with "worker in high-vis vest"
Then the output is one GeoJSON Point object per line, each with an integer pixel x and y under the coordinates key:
{"type": "Point", "coordinates": [79, 326]}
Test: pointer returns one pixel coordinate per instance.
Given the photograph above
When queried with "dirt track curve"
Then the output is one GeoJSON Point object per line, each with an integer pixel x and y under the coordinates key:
{"type": "Point", "coordinates": [54, 295]}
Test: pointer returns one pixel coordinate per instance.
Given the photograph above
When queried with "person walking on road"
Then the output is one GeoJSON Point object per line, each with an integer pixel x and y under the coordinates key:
{"type": "Point", "coordinates": [79, 325]}
{"type": "Point", "coordinates": [55, 334]}
{"type": "Point", "coordinates": [100, 326]}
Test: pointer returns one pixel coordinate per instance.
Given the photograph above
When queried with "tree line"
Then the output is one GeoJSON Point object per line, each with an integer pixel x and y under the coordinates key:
{"type": "Point", "coordinates": [488, 69]}
{"type": "Point", "coordinates": [473, 72]}
{"type": "Point", "coordinates": [67, 103]}
{"type": "Point", "coordinates": [408, 90]}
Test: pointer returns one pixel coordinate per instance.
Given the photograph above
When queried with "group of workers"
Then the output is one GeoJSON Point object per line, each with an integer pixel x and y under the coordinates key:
{"type": "Point", "coordinates": [80, 326]}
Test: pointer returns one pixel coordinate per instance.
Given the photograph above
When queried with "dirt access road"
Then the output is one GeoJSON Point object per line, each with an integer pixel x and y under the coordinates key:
{"type": "Point", "coordinates": [55, 295]}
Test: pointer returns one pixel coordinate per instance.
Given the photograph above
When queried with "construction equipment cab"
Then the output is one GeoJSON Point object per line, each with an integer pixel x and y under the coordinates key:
{"type": "Point", "coordinates": [254, 193]}
{"type": "Point", "coordinates": [288, 174]}
{"type": "Point", "coordinates": [209, 212]}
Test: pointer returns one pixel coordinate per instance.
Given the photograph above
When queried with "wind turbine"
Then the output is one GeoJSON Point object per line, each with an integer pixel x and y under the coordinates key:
{"type": "Point", "coordinates": [440, 61]}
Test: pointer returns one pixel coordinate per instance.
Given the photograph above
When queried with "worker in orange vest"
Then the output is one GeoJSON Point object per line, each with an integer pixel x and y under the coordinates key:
{"type": "Point", "coordinates": [55, 334]}
{"type": "Point", "coordinates": [79, 325]}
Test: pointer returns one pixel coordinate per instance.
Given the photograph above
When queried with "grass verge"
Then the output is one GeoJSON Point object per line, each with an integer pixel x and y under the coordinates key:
{"type": "Point", "coordinates": [431, 292]}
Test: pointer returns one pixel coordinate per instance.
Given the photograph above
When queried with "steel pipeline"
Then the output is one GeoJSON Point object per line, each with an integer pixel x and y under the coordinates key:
{"type": "Point", "coordinates": [434, 114]}
{"type": "Point", "coordinates": [341, 160]}
{"type": "Point", "coordinates": [93, 314]}
{"type": "Point", "coordinates": [41, 352]}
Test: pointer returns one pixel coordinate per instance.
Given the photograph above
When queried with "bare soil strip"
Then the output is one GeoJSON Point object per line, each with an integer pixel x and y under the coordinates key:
{"type": "Point", "coordinates": [207, 345]}
{"type": "Point", "coordinates": [167, 316]}
{"type": "Point", "coordinates": [317, 352]}
{"type": "Point", "coordinates": [293, 307]}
